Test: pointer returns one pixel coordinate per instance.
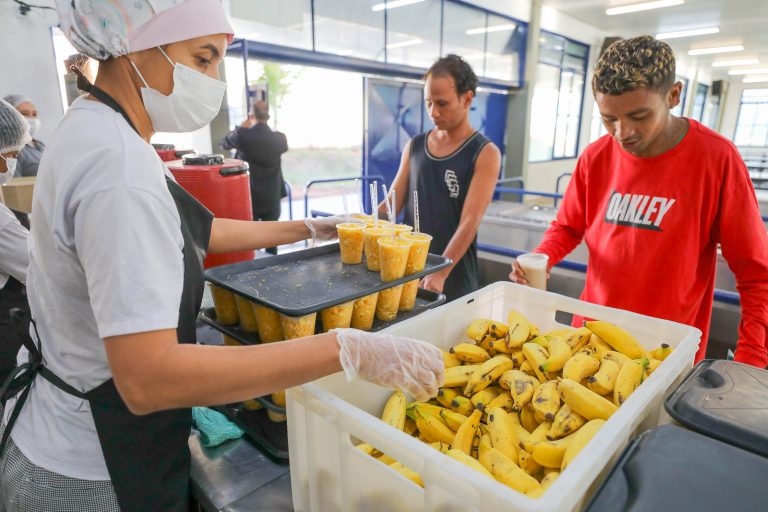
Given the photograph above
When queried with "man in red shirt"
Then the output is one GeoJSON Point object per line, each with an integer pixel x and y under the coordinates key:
{"type": "Point", "coordinates": [654, 198]}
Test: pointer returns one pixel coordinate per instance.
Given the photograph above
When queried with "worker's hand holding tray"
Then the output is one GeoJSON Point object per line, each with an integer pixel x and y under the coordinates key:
{"type": "Point", "coordinates": [305, 282]}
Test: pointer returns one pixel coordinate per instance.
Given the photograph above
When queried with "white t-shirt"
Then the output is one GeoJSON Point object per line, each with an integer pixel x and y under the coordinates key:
{"type": "Point", "coordinates": [105, 260]}
{"type": "Point", "coordinates": [13, 247]}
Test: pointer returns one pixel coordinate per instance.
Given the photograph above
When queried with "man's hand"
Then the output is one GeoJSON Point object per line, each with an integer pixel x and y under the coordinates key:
{"type": "Point", "coordinates": [249, 122]}
{"type": "Point", "coordinates": [435, 282]}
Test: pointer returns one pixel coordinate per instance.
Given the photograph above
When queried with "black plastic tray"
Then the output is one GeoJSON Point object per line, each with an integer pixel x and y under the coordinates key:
{"type": "Point", "coordinates": [271, 437]}
{"type": "Point", "coordinates": [304, 282]}
{"type": "Point", "coordinates": [673, 469]}
{"type": "Point", "coordinates": [425, 300]}
{"type": "Point", "coordinates": [725, 400]}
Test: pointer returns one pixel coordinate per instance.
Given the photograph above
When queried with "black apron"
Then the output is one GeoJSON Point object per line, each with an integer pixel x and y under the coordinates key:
{"type": "Point", "coordinates": [147, 456]}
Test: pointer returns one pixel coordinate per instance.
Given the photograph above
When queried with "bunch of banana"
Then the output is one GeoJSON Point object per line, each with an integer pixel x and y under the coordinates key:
{"type": "Point", "coordinates": [518, 405]}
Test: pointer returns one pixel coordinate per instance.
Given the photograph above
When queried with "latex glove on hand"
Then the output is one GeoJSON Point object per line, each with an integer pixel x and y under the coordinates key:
{"type": "Point", "coordinates": [396, 362]}
{"type": "Point", "coordinates": [323, 229]}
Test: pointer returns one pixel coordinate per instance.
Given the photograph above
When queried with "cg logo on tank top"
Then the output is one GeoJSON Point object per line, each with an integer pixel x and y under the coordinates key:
{"type": "Point", "coordinates": [452, 182]}
{"type": "Point", "coordinates": [637, 210]}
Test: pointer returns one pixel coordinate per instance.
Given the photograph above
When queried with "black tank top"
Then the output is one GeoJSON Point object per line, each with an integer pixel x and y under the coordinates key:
{"type": "Point", "coordinates": [443, 184]}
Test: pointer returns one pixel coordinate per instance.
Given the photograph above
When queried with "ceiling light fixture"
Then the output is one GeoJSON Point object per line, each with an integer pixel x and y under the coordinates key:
{"type": "Point", "coordinates": [394, 4]}
{"type": "Point", "coordinates": [718, 49]}
{"type": "Point", "coordinates": [755, 79]}
{"type": "Point", "coordinates": [493, 28]}
{"type": "Point", "coordinates": [748, 71]}
{"type": "Point", "coordinates": [644, 6]}
{"type": "Point", "coordinates": [688, 33]}
{"type": "Point", "coordinates": [734, 62]}
{"type": "Point", "coordinates": [403, 44]}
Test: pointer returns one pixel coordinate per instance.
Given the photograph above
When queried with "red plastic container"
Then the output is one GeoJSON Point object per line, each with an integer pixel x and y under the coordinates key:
{"type": "Point", "coordinates": [168, 152]}
{"type": "Point", "coordinates": [223, 186]}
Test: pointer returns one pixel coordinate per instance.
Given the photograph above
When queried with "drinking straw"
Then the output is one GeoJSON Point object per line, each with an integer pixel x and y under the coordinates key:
{"type": "Point", "coordinates": [386, 203]}
{"type": "Point", "coordinates": [375, 201]}
{"type": "Point", "coordinates": [359, 196]}
{"type": "Point", "coordinates": [346, 206]}
{"type": "Point", "coordinates": [394, 206]}
{"type": "Point", "coordinates": [416, 210]}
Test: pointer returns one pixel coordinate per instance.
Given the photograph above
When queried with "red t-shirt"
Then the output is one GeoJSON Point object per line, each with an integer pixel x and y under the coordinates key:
{"type": "Point", "coordinates": [652, 226]}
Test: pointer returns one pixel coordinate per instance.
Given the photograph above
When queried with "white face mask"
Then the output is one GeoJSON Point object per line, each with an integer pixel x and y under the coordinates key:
{"type": "Point", "coordinates": [34, 125]}
{"type": "Point", "coordinates": [193, 103]}
{"type": "Point", "coordinates": [6, 176]}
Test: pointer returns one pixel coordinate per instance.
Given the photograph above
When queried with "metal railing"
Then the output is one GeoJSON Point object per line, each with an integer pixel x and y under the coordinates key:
{"type": "Point", "coordinates": [289, 195]}
{"type": "Point", "coordinates": [364, 179]}
{"type": "Point", "coordinates": [557, 183]}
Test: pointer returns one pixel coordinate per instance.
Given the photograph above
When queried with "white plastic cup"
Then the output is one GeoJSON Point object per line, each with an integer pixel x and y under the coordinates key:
{"type": "Point", "coordinates": [534, 265]}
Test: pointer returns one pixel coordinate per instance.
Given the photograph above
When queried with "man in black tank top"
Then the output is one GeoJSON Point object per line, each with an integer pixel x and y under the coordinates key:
{"type": "Point", "coordinates": [454, 168]}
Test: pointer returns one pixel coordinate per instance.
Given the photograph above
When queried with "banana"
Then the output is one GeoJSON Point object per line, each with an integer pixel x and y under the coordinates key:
{"type": "Point", "coordinates": [528, 418]}
{"type": "Point", "coordinates": [482, 429]}
{"type": "Point", "coordinates": [533, 331]}
{"type": "Point", "coordinates": [410, 426]}
{"type": "Point", "coordinates": [468, 461]}
{"type": "Point", "coordinates": [580, 366]}
{"type": "Point", "coordinates": [536, 355]}
{"type": "Point", "coordinates": [478, 328]}
{"type": "Point", "coordinates": [529, 465]}
{"type": "Point", "coordinates": [503, 400]}
{"type": "Point", "coordinates": [535, 493]}
{"type": "Point", "coordinates": [559, 353]}
{"type": "Point", "coordinates": [527, 368]}
{"type": "Point", "coordinates": [458, 376]}
{"type": "Point", "coordinates": [424, 408]}
{"type": "Point", "coordinates": [565, 332]}
{"type": "Point", "coordinates": [497, 329]}
{"type": "Point", "coordinates": [546, 401]}
{"type": "Point", "coordinates": [470, 353]}
{"type": "Point", "coordinates": [499, 347]}
{"type": "Point", "coordinates": [521, 387]}
{"type": "Point", "coordinates": [394, 410]}
{"type": "Point", "coordinates": [600, 347]}
{"type": "Point", "coordinates": [578, 339]}
{"type": "Point", "coordinates": [488, 372]}
{"type": "Point", "coordinates": [407, 473]}
{"type": "Point", "coordinates": [542, 339]}
{"type": "Point", "coordinates": [518, 330]}
{"type": "Point", "coordinates": [487, 345]}
{"type": "Point", "coordinates": [462, 440]}
{"type": "Point", "coordinates": [502, 433]}
{"type": "Point", "coordinates": [580, 440]}
{"type": "Point", "coordinates": [549, 454]}
{"type": "Point", "coordinates": [450, 360]}
{"type": "Point", "coordinates": [507, 472]}
{"type": "Point", "coordinates": [549, 479]}
{"type": "Point", "coordinates": [566, 422]}
{"type": "Point", "coordinates": [587, 403]}
{"type": "Point", "coordinates": [616, 357]}
{"type": "Point", "coordinates": [452, 419]}
{"type": "Point", "coordinates": [385, 459]}
{"type": "Point", "coordinates": [462, 405]}
{"type": "Point", "coordinates": [446, 395]}
{"type": "Point", "coordinates": [367, 449]}
{"type": "Point", "coordinates": [517, 357]}
{"type": "Point", "coordinates": [661, 352]}
{"type": "Point", "coordinates": [538, 434]}
{"type": "Point", "coordinates": [604, 380]}
{"type": "Point", "coordinates": [484, 397]}
{"type": "Point", "coordinates": [616, 337]}
{"type": "Point", "coordinates": [441, 447]}
{"type": "Point", "coordinates": [433, 429]}
{"type": "Point", "coordinates": [652, 365]}
{"type": "Point", "coordinates": [485, 443]}
{"type": "Point", "coordinates": [629, 378]}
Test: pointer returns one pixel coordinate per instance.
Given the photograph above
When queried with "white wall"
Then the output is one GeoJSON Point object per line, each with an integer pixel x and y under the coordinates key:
{"type": "Point", "coordinates": [28, 62]}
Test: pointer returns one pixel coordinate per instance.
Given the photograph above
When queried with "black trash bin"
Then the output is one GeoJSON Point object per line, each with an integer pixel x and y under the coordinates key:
{"type": "Point", "coordinates": [725, 400]}
{"type": "Point", "coordinates": [674, 469]}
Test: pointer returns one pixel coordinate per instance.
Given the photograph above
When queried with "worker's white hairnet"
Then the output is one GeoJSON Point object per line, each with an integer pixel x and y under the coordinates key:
{"type": "Point", "coordinates": [17, 99]}
{"type": "Point", "coordinates": [14, 129]}
{"type": "Point", "coordinates": [103, 29]}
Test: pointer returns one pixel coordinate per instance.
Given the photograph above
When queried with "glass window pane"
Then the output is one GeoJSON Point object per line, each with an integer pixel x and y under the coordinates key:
{"type": "Point", "coordinates": [551, 48]}
{"type": "Point", "coordinates": [505, 42]}
{"type": "Point", "coordinates": [544, 113]}
{"type": "Point", "coordinates": [286, 23]}
{"type": "Point", "coordinates": [413, 34]}
{"type": "Point", "coordinates": [576, 50]}
{"type": "Point", "coordinates": [464, 34]}
{"type": "Point", "coordinates": [349, 27]}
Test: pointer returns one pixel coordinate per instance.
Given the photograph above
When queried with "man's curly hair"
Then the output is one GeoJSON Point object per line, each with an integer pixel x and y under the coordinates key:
{"type": "Point", "coordinates": [457, 68]}
{"type": "Point", "coordinates": [630, 64]}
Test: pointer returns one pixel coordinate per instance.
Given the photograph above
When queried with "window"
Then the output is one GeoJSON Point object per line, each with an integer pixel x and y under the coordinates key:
{"type": "Point", "coordinates": [699, 101]}
{"type": "Point", "coordinates": [285, 23]}
{"type": "Point", "coordinates": [752, 124]}
{"type": "Point", "coordinates": [557, 98]}
{"type": "Point", "coordinates": [350, 28]}
{"type": "Point", "coordinates": [413, 34]}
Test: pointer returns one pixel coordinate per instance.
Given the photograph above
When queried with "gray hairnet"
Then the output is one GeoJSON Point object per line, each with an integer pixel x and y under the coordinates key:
{"type": "Point", "coordinates": [14, 129]}
{"type": "Point", "coordinates": [17, 99]}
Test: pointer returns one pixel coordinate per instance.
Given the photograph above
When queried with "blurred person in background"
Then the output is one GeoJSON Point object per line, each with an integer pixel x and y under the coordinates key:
{"type": "Point", "coordinates": [29, 156]}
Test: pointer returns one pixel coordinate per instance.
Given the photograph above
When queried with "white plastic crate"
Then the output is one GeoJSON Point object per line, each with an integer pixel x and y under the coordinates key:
{"type": "Point", "coordinates": [326, 416]}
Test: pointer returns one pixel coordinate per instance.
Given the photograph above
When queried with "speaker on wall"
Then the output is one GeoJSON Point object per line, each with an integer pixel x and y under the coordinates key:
{"type": "Point", "coordinates": [717, 87]}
